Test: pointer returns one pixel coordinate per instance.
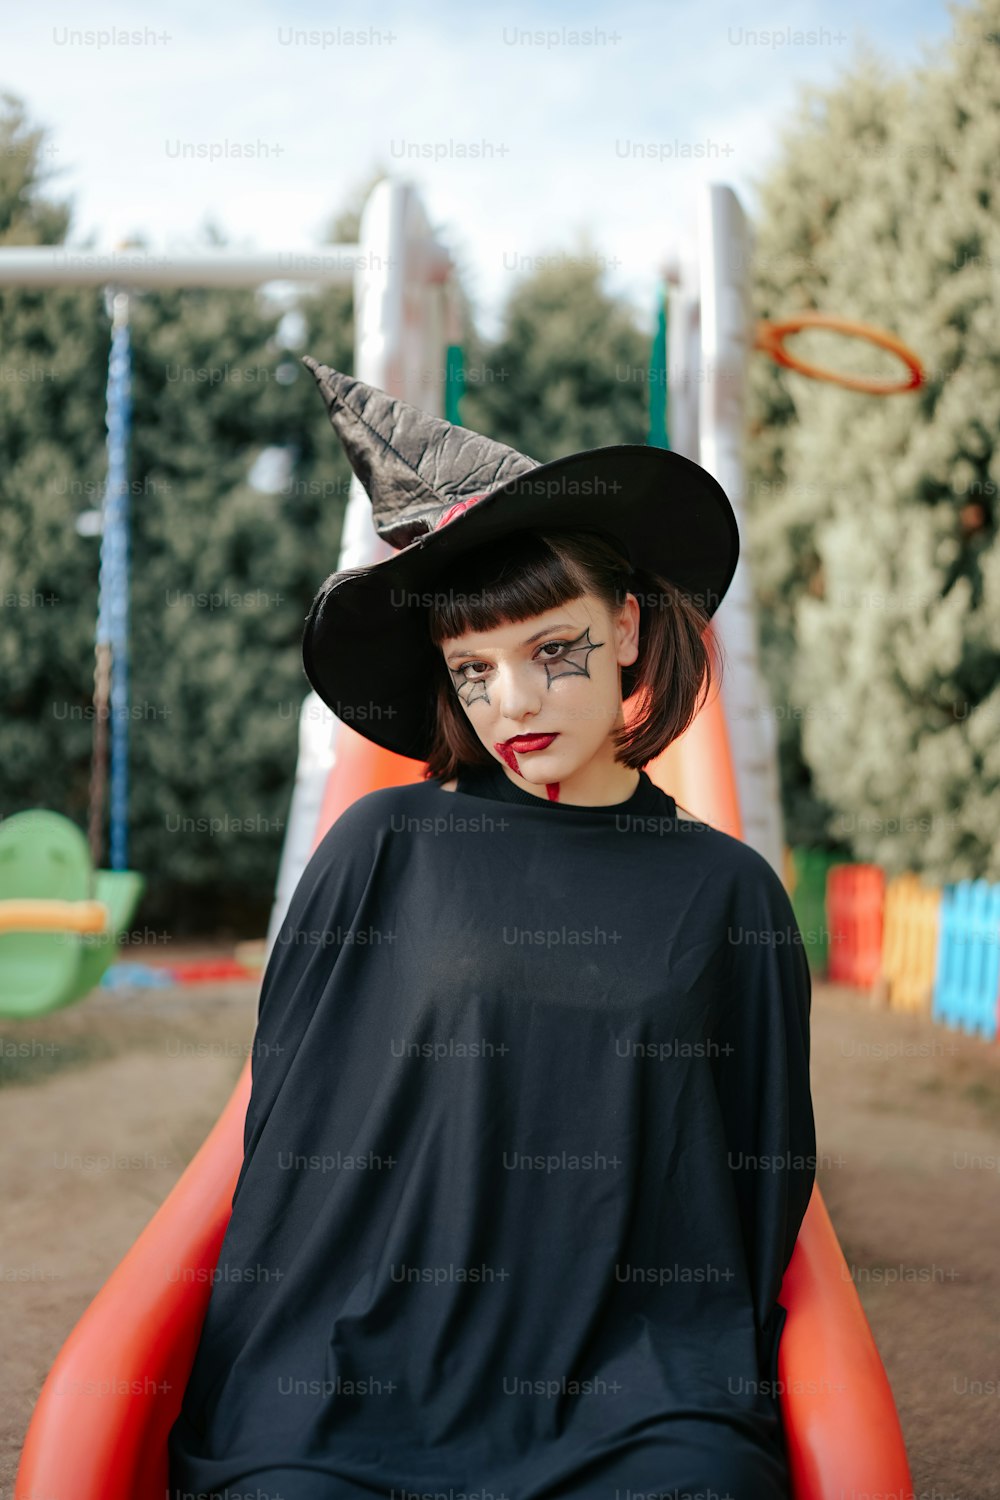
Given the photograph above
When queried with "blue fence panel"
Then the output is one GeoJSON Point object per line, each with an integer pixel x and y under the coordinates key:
{"type": "Point", "coordinates": [967, 972]}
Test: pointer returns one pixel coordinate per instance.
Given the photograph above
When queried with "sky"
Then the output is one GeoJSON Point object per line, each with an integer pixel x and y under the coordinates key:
{"type": "Point", "coordinates": [530, 131]}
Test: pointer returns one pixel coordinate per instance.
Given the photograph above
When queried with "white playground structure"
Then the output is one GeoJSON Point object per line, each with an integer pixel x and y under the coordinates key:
{"type": "Point", "coordinates": [711, 331]}
{"type": "Point", "coordinates": [399, 313]}
{"type": "Point", "coordinates": [408, 310]}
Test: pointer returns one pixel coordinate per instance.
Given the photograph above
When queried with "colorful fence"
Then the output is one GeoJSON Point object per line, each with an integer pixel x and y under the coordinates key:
{"type": "Point", "coordinates": [926, 949]}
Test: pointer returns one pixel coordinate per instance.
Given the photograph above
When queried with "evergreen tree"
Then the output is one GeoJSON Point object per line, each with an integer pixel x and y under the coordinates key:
{"type": "Point", "coordinates": [569, 369]}
{"type": "Point", "coordinates": [53, 369]}
{"type": "Point", "coordinates": [874, 538]}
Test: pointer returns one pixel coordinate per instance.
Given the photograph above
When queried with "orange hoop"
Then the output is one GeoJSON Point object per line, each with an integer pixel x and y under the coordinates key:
{"type": "Point", "coordinates": [770, 338]}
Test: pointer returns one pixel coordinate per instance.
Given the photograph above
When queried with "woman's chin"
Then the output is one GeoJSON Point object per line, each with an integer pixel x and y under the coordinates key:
{"type": "Point", "coordinates": [542, 767]}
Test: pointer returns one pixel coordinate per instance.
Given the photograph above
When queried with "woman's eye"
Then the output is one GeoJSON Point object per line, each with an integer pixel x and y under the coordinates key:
{"type": "Point", "coordinates": [464, 668]}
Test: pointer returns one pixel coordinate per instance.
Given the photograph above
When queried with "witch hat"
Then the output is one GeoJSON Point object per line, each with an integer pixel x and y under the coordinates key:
{"type": "Point", "coordinates": [439, 490]}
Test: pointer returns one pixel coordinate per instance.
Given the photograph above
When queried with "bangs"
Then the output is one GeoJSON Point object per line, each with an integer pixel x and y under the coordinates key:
{"type": "Point", "coordinates": [516, 579]}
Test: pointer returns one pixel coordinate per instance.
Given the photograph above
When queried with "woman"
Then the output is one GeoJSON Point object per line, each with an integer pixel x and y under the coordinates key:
{"type": "Point", "coordinates": [530, 1136]}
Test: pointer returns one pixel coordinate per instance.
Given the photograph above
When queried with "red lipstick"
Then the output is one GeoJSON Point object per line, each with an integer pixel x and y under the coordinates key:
{"type": "Point", "coordinates": [530, 741]}
{"type": "Point", "coordinates": [520, 744]}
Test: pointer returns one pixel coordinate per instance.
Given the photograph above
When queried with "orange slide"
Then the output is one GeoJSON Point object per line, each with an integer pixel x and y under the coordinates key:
{"type": "Point", "coordinates": [100, 1425]}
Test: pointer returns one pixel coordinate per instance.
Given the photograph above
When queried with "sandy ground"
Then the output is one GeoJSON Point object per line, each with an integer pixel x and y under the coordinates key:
{"type": "Point", "coordinates": [908, 1118]}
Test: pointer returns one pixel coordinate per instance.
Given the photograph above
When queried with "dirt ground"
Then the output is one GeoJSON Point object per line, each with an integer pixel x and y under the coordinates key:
{"type": "Point", "coordinates": [908, 1121]}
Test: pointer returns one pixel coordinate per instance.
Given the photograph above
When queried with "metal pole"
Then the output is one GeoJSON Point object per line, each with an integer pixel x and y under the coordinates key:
{"type": "Point", "coordinates": [112, 619]}
{"type": "Point", "coordinates": [60, 265]}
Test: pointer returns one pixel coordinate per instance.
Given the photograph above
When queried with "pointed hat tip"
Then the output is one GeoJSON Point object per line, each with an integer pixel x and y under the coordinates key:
{"type": "Point", "coordinates": [328, 379]}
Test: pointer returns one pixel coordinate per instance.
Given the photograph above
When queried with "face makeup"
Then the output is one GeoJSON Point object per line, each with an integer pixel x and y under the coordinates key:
{"type": "Point", "coordinates": [524, 744]}
{"type": "Point", "coordinates": [571, 657]}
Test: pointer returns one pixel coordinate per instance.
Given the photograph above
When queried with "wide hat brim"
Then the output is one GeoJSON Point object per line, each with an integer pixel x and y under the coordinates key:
{"type": "Point", "coordinates": [366, 648]}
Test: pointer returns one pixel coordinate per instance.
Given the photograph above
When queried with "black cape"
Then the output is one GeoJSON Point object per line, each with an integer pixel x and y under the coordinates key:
{"type": "Point", "coordinates": [529, 1144]}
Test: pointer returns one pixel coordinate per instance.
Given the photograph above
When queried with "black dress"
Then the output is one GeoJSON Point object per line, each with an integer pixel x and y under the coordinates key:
{"type": "Point", "coordinates": [527, 1152]}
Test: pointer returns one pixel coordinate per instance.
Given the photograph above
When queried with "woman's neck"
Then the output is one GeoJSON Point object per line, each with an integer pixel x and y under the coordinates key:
{"type": "Point", "coordinates": [592, 786]}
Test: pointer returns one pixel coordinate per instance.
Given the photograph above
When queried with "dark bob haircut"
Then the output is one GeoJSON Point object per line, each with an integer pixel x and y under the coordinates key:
{"type": "Point", "coordinates": [530, 572]}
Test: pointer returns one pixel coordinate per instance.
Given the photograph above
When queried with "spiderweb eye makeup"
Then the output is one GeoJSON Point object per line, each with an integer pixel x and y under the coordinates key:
{"type": "Point", "coordinates": [477, 689]}
{"type": "Point", "coordinates": [573, 662]}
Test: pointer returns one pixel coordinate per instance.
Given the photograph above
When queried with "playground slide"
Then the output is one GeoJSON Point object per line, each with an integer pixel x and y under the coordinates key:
{"type": "Point", "coordinates": [100, 1425]}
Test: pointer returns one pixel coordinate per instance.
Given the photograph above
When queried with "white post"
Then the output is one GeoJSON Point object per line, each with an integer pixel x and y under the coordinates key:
{"type": "Point", "coordinates": [726, 343]}
{"type": "Point", "coordinates": [399, 326]}
{"type": "Point", "coordinates": [683, 369]}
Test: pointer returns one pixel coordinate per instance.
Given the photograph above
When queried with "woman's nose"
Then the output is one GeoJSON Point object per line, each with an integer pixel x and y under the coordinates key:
{"type": "Point", "coordinates": [519, 693]}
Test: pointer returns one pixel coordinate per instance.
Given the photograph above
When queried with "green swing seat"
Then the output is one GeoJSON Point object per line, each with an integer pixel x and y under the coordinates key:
{"type": "Point", "coordinates": [44, 858]}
